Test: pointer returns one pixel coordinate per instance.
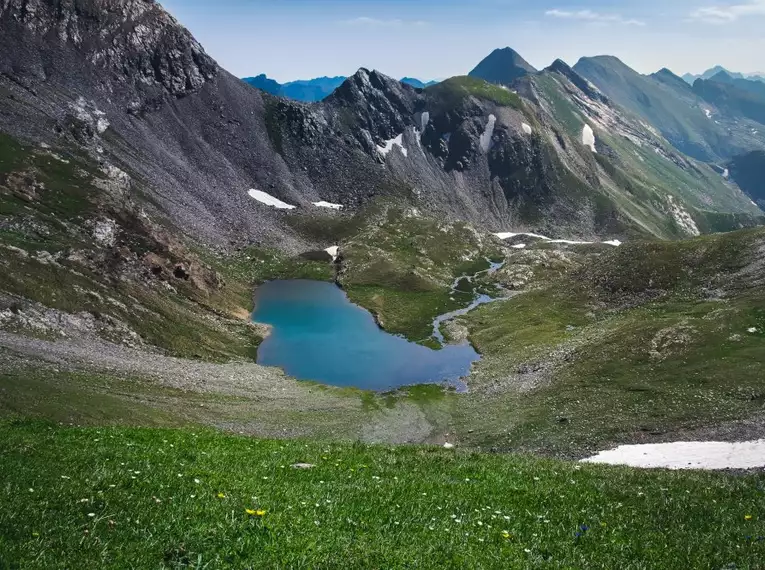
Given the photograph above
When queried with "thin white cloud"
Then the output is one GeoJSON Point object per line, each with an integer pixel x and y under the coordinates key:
{"type": "Point", "coordinates": [729, 13]}
{"type": "Point", "coordinates": [379, 23]}
{"type": "Point", "coordinates": [593, 17]}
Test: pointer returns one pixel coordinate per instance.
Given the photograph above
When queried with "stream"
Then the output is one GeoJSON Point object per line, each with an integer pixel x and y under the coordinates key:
{"type": "Point", "coordinates": [479, 299]}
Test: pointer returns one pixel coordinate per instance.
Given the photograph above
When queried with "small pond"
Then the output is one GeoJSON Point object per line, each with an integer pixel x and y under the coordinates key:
{"type": "Point", "coordinates": [318, 334]}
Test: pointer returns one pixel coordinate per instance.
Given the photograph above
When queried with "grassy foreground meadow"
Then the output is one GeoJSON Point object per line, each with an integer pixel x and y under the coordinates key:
{"type": "Point", "coordinates": [159, 498]}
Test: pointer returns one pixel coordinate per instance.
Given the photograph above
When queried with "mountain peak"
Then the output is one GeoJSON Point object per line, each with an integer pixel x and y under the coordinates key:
{"type": "Point", "coordinates": [666, 76]}
{"type": "Point", "coordinates": [561, 67]}
{"type": "Point", "coordinates": [136, 39]}
{"type": "Point", "coordinates": [502, 66]}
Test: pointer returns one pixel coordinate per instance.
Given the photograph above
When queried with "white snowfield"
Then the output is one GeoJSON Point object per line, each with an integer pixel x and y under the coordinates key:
{"type": "Point", "coordinates": [508, 235]}
{"type": "Point", "coordinates": [588, 137]}
{"type": "Point", "coordinates": [399, 141]}
{"type": "Point", "coordinates": [527, 128]}
{"type": "Point", "coordinates": [708, 113]}
{"type": "Point", "coordinates": [488, 132]}
{"type": "Point", "coordinates": [333, 251]}
{"type": "Point", "coordinates": [686, 455]}
{"type": "Point", "coordinates": [269, 200]}
{"type": "Point", "coordinates": [424, 120]}
{"type": "Point", "coordinates": [323, 204]}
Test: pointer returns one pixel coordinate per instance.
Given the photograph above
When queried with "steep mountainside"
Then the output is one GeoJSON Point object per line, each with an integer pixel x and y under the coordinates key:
{"type": "Point", "coordinates": [748, 171]}
{"type": "Point", "coordinates": [693, 125]}
{"type": "Point", "coordinates": [735, 97]}
{"type": "Point", "coordinates": [502, 66]}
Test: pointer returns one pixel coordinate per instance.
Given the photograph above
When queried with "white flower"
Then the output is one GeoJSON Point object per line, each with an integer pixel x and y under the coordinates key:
{"type": "Point", "coordinates": [91, 515]}
{"type": "Point", "coordinates": [197, 481]}
{"type": "Point", "coordinates": [448, 445]}
{"type": "Point", "coordinates": [31, 490]}
{"type": "Point", "coordinates": [751, 330]}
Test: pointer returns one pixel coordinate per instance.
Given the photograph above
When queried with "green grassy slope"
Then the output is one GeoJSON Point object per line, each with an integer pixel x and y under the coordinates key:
{"type": "Point", "coordinates": [142, 498]}
{"type": "Point", "coordinates": [649, 338]}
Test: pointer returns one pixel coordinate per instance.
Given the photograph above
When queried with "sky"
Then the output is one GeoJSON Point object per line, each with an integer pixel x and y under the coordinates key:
{"type": "Point", "coordinates": [435, 39]}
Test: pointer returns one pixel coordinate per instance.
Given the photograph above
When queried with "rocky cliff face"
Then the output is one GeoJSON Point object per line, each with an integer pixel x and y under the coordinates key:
{"type": "Point", "coordinates": [136, 40]}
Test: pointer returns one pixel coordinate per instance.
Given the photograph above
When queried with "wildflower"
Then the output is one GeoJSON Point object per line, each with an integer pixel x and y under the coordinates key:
{"type": "Point", "coordinates": [260, 513]}
{"type": "Point", "coordinates": [197, 481]}
{"type": "Point", "coordinates": [250, 512]}
{"type": "Point", "coordinates": [31, 490]}
{"type": "Point", "coordinates": [747, 517]}
{"type": "Point", "coordinates": [91, 515]}
{"type": "Point", "coordinates": [221, 496]}
{"type": "Point", "coordinates": [506, 534]}
{"type": "Point", "coordinates": [36, 534]}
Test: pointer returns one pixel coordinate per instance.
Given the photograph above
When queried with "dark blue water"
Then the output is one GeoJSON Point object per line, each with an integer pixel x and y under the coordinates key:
{"type": "Point", "coordinates": [318, 334]}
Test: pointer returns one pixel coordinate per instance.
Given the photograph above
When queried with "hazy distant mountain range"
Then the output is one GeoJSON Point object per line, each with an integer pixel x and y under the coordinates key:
{"type": "Point", "coordinates": [712, 71]}
{"type": "Point", "coordinates": [311, 90]}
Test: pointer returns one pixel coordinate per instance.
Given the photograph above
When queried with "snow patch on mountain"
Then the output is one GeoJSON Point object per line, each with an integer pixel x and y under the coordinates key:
{"type": "Point", "coordinates": [90, 114]}
{"type": "Point", "coordinates": [269, 200]}
{"type": "Point", "coordinates": [508, 235]}
{"type": "Point", "coordinates": [389, 144]}
{"type": "Point", "coordinates": [485, 139]}
{"type": "Point", "coordinates": [424, 120]}
{"type": "Point", "coordinates": [682, 217]}
{"type": "Point", "coordinates": [588, 137]}
{"type": "Point", "coordinates": [323, 204]}
{"type": "Point", "coordinates": [526, 128]}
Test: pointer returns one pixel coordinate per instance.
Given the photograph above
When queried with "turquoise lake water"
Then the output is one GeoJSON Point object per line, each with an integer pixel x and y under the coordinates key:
{"type": "Point", "coordinates": [318, 334]}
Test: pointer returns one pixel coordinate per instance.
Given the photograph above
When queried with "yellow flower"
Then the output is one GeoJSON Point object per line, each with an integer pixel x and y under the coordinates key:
{"type": "Point", "coordinates": [260, 512]}
{"type": "Point", "coordinates": [221, 496]}
{"type": "Point", "coordinates": [747, 517]}
{"type": "Point", "coordinates": [506, 534]}
{"type": "Point", "coordinates": [250, 511]}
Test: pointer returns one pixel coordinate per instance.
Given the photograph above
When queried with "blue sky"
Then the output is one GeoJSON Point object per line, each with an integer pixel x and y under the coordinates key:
{"type": "Point", "coordinates": [297, 39]}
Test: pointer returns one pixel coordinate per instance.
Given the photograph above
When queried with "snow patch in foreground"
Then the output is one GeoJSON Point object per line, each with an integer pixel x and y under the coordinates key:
{"type": "Point", "coordinates": [687, 455]}
{"type": "Point", "coordinates": [588, 137]}
{"type": "Point", "coordinates": [488, 132]}
{"type": "Point", "coordinates": [269, 200]}
{"type": "Point", "coordinates": [726, 173]}
{"type": "Point", "coordinates": [323, 204]}
{"type": "Point", "coordinates": [527, 128]}
{"type": "Point", "coordinates": [333, 251]}
{"type": "Point", "coordinates": [708, 113]}
{"type": "Point", "coordinates": [399, 141]}
{"type": "Point", "coordinates": [508, 235]}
